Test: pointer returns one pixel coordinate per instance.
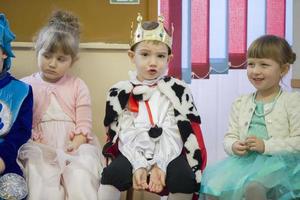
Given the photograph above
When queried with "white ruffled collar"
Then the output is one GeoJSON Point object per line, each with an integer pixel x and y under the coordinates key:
{"type": "Point", "coordinates": [133, 79]}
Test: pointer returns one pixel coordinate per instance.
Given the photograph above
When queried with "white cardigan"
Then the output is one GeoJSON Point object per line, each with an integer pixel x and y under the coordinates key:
{"type": "Point", "coordinates": [283, 123]}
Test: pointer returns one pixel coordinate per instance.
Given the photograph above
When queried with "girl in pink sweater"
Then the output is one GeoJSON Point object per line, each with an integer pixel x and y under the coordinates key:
{"type": "Point", "coordinates": [62, 160]}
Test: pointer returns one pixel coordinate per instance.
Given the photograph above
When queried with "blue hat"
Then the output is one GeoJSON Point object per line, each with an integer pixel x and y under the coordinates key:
{"type": "Point", "coordinates": [6, 36]}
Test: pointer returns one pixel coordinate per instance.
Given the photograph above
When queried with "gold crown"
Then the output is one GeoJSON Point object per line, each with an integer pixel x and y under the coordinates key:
{"type": "Point", "coordinates": [157, 33]}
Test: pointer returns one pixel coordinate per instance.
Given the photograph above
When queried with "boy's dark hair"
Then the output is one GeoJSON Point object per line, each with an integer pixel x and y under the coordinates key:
{"type": "Point", "coordinates": [152, 31]}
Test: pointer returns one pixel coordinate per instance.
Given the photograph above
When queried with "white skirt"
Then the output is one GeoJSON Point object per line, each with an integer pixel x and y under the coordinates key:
{"type": "Point", "coordinates": [53, 173]}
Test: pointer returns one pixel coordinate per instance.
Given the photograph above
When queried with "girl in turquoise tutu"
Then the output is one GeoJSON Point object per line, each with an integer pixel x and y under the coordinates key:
{"type": "Point", "coordinates": [263, 138]}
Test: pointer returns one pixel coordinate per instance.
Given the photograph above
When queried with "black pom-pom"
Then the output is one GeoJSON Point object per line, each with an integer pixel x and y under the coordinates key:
{"type": "Point", "coordinates": [155, 132]}
{"type": "Point", "coordinates": [138, 97]}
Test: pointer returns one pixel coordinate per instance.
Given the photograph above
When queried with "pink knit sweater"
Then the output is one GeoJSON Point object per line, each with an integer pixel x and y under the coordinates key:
{"type": "Point", "coordinates": [72, 95]}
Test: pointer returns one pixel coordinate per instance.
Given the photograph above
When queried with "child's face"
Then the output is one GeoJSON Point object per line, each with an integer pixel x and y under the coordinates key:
{"type": "Point", "coordinates": [3, 56]}
{"type": "Point", "coordinates": [265, 74]}
{"type": "Point", "coordinates": [53, 66]}
{"type": "Point", "coordinates": [151, 59]}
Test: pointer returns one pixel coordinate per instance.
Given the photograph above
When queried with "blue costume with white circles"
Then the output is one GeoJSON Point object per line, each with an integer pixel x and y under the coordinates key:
{"type": "Point", "coordinates": [16, 102]}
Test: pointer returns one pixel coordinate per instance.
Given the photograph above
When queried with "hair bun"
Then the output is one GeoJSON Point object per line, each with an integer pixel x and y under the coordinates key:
{"type": "Point", "coordinates": [65, 19]}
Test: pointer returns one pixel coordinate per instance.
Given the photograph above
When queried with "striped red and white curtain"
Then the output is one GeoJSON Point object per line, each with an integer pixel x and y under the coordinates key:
{"type": "Point", "coordinates": [171, 10]}
{"type": "Point", "coordinates": [227, 30]}
{"type": "Point", "coordinates": [215, 87]}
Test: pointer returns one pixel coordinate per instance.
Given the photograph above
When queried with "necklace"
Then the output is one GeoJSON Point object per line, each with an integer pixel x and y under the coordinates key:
{"type": "Point", "coordinates": [272, 107]}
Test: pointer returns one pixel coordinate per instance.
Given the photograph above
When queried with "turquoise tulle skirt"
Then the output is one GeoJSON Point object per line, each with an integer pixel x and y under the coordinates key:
{"type": "Point", "coordinates": [227, 180]}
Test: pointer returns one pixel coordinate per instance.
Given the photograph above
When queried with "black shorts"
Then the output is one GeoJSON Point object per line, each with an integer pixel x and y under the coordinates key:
{"type": "Point", "coordinates": [180, 177]}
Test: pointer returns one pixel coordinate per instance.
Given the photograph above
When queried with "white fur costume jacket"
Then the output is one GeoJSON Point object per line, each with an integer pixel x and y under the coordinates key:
{"type": "Point", "coordinates": [187, 118]}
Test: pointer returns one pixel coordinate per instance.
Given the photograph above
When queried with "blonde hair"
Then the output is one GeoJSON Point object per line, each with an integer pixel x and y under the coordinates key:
{"type": "Point", "coordinates": [61, 33]}
{"type": "Point", "coordinates": [272, 47]}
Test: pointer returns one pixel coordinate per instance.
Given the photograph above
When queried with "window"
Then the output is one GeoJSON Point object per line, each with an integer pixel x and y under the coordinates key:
{"type": "Point", "coordinates": [220, 32]}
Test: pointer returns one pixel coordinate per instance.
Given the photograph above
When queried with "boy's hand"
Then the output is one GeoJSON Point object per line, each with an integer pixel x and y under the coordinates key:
{"type": "Point", "coordinates": [255, 144]}
{"type": "Point", "coordinates": [139, 179]}
{"type": "Point", "coordinates": [76, 142]}
{"type": "Point", "coordinates": [240, 148]}
{"type": "Point", "coordinates": [157, 180]}
{"type": "Point", "coordinates": [2, 166]}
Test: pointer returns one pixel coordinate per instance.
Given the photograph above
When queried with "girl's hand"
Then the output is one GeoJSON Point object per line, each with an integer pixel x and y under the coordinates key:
{"type": "Point", "coordinates": [255, 144]}
{"type": "Point", "coordinates": [37, 136]}
{"type": "Point", "coordinates": [76, 142]}
{"type": "Point", "coordinates": [39, 140]}
{"type": "Point", "coordinates": [157, 180]}
{"type": "Point", "coordinates": [139, 179]}
{"type": "Point", "coordinates": [239, 148]}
